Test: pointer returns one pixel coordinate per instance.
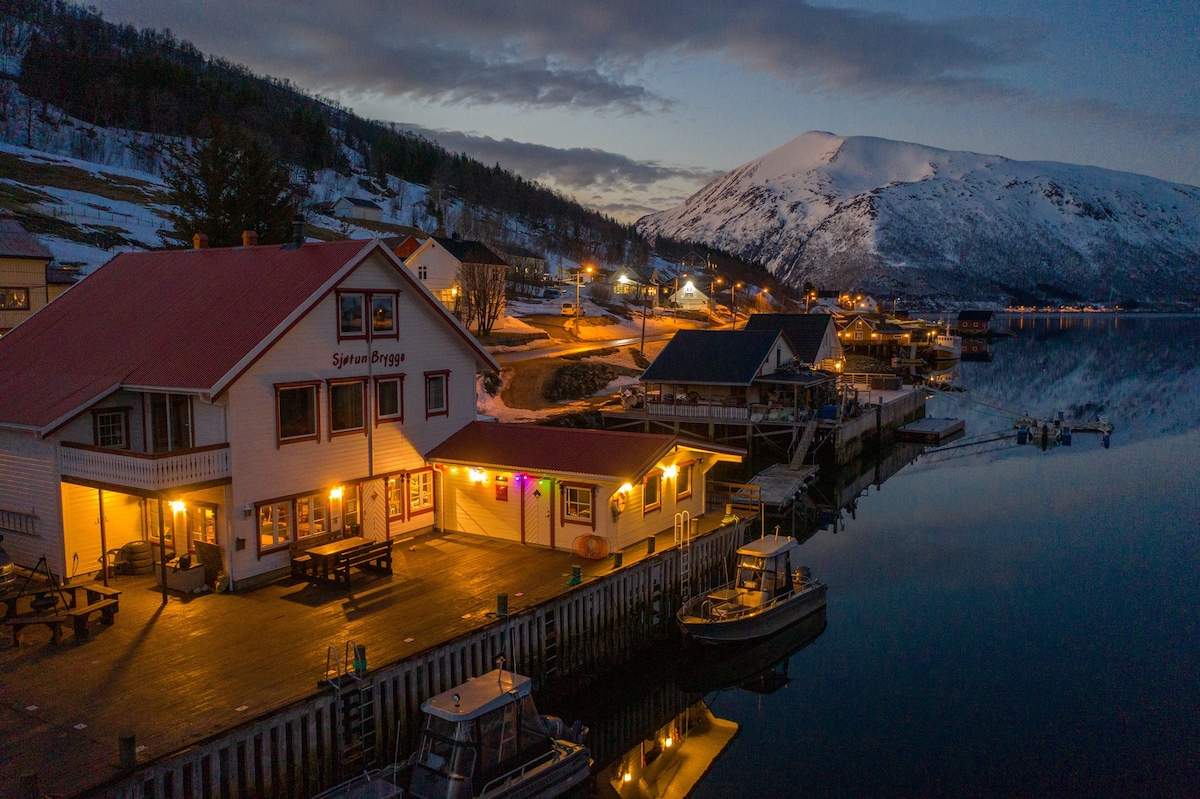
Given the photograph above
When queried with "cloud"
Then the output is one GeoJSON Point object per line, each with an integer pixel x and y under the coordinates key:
{"type": "Point", "coordinates": [534, 53]}
{"type": "Point", "coordinates": [572, 168]}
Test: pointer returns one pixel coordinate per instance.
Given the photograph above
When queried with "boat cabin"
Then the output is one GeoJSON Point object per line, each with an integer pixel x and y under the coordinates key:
{"type": "Point", "coordinates": [764, 570]}
{"type": "Point", "coordinates": [478, 733]}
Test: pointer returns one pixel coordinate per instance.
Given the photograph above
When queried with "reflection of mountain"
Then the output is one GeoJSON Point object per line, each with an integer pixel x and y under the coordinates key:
{"type": "Point", "coordinates": [1143, 373]}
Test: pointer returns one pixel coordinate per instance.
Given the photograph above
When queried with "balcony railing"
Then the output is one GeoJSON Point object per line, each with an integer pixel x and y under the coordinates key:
{"type": "Point", "coordinates": [687, 410]}
{"type": "Point", "coordinates": [150, 472]}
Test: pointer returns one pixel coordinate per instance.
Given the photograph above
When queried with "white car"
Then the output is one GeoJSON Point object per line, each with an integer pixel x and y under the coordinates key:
{"type": "Point", "coordinates": [568, 309]}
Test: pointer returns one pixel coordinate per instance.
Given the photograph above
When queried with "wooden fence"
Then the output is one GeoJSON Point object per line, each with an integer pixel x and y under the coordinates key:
{"type": "Point", "coordinates": [297, 751]}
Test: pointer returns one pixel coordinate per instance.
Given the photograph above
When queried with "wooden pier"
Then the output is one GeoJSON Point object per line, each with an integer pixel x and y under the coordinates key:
{"type": "Point", "coordinates": [931, 430]}
{"type": "Point", "coordinates": [299, 747]}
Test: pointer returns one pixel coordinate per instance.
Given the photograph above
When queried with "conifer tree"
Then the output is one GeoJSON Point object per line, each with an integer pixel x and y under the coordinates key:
{"type": "Point", "coordinates": [227, 185]}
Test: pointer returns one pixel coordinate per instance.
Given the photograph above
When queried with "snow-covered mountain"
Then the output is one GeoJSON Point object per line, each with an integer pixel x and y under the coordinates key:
{"type": "Point", "coordinates": [905, 219]}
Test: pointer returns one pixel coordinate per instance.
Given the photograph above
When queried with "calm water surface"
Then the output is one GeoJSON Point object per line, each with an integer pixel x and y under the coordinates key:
{"type": "Point", "coordinates": [1003, 620]}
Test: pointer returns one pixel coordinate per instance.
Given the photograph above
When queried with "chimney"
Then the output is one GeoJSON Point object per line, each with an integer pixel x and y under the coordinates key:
{"type": "Point", "coordinates": [249, 238]}
{"type": "Point", "coordinates": [200, 241]}
{"type": "Point", "coordinates": [298, 230]}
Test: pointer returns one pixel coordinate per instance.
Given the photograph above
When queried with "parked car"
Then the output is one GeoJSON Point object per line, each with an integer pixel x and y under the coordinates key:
{"type": "Point", "coordinates": [568, 309]}
{"type": "Point", "coordinates": [8, 571]}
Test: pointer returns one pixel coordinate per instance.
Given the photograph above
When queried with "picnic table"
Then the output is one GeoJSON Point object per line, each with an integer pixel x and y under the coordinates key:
{"type": "Point", "coordinates": [332, 562]}
{"type": "Point", "coordinates": [100, 599]}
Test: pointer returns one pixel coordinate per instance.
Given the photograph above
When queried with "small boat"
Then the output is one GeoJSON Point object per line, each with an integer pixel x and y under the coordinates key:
{"type": "Point", "coordinates": [946, 346]}
{"type": "Point", "coordinates": [765, 597]}
{"type": "Point", "coordinates": [483, 739]}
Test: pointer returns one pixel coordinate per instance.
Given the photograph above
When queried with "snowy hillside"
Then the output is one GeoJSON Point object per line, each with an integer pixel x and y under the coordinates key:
{"type": "Point", "coordinates": [905, 219]}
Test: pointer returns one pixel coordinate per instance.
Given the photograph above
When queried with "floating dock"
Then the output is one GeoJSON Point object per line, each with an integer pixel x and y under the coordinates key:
{"type": "Point", "coordinates": [932, 430]}
{"type": "Point", "coordinates": [781, 484]}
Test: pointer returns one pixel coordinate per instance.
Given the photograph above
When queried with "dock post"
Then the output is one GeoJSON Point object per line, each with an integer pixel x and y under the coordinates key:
{"type": "Point", "coordinates": [502, 605]}
{"type": "Point", "coordinates": [618, 559]}
{"type": "Point", "coordinates": [127, 751]}
{"type": "Point", "coordinates": [650, 543]}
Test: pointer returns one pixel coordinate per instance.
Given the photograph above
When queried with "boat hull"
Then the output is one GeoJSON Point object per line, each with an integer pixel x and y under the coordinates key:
{"type": "Point", "coordinates": [752, 625]}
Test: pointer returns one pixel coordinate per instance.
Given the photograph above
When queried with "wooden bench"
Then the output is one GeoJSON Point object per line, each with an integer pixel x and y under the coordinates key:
{"type": "Point", "coordinates": [53, 621]}
{"type": "Point", "coordinates": [79, 616]}
{"type": "Point", "coordinates": [375, 556]}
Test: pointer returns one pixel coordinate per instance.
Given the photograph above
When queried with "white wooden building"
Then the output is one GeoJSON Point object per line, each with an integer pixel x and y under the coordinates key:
{"type": "Point", "coordinates": [437, 260]}
{"type": "Point", "coordinates": [244, 397]}
{"type": "Point", "coordinates": [588, 490]}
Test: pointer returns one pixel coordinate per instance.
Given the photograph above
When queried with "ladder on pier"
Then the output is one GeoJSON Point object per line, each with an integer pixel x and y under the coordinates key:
{"type": "Point", "coordinates": [683, 537]}
{"type": "Point", "coordinates": [549, 643]}
{"type": "Point", "coordinates": [810, 430]}
{"type": "Point", "coordinates": [354, 703]}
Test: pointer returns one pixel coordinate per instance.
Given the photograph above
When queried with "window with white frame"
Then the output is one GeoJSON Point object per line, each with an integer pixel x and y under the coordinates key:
{"type": "Point", "coordinates": [683, 481]}
{"type": "Point", "coordinates": [577, 503]}
{"type": "Point", "coordinates": [389, 398]}
{"type": "Point", "coordinates": [312, 515]}
{"type": "Point", "coordinates": [274, 525]}
{"type": "Point", "coordinates": [296, 412]}
{"type": "Point", "coordinates": [652, 491]}
{"type": "Point", "coordinates": [436, 401]}
{"type": "Point", "coordinates": [347, 407]}
{"type": "Point", "coordinates": [420, 492]}
{"type": "Point", "coordinates": [395, 497]}
{"type": "Point", "coordinates": [112, 428]}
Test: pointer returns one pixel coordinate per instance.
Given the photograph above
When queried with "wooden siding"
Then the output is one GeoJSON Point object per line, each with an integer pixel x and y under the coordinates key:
{"type": "Point", "coordinates": [23, 273]}
{"type": "Point", "coordinates": [441, 266]}
{"type": "Point", "coordinates": [263, 470]}
{"type": "Point", "coordinates": [29, 485]}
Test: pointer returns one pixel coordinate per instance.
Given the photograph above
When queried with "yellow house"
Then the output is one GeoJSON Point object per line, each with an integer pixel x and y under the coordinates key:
{"type": "Point", "coordinates": [23, 262]}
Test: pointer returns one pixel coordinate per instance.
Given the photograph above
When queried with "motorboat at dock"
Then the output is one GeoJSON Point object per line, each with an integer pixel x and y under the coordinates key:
{"type": "Point", "coordinates": [483, 739]}
{"type": "Point", "coordinates": [765, 596]}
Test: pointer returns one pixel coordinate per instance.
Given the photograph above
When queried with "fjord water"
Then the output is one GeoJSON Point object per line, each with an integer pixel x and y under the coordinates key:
{"type": "Point", "coordinates": [1005, 620]}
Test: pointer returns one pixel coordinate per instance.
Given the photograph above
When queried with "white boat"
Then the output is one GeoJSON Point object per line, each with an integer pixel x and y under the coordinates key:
{"type": "Point", "coordinates": [483, 739]}
{"type": "Point", "coordinates": [765, 597]}
{"type": "Point", "coordinates": [946, 346]}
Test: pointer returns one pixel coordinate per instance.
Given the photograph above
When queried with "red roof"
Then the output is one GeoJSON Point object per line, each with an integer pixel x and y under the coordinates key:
{"type": "Point", "coordinates": [168, 319]}
{"type": "Point", "coordinates": [595, 453]}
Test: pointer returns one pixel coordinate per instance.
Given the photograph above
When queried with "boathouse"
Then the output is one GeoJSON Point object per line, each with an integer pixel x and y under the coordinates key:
{"type": "Point", "coordinates": [245, 398]}
{"type": "Point", "coordinates": [590, 490]}
{"type": "Point", "coordinates": [975, 323]}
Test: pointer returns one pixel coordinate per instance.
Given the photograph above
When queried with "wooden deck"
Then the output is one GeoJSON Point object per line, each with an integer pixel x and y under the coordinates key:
{"type": "Point", "coordinates": [176, 674]}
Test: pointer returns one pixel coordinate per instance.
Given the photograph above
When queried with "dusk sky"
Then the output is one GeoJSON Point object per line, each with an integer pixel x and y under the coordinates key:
{"type": "Point", "coordinates": [631, 105]}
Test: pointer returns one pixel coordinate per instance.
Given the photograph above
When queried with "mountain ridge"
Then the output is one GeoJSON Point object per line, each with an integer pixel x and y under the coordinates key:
{"type": "Point", "coordinates": [900, 218]}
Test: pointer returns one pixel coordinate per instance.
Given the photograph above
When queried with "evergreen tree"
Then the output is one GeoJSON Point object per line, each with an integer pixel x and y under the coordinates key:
{"type": "Point", "coordinates": [228, 185]}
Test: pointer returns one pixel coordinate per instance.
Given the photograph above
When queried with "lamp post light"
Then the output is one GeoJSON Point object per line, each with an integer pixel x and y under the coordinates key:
{"type": "Point", "coordinates": [733, 301]}
{"type": "Point", "coordinates": [578, 279]}
{"type": "Point", "coordinates": [712, 293]}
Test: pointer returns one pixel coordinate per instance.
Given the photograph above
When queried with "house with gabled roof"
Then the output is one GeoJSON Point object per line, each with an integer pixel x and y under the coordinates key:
{"type": "Point", "coordinates": [437, 260]}
{"type": "Point", "coordinates": [25, 274]}
{"type": "Point", "coordinates": [243, 399]}
{"type": "Point", "coordinates": [871, 333]}
{"type": "Point", "coordinates": [591, 490]}
{"type": "Point", "coordinates": [735, 375]}
{"type": "Point", "coordinates": [975, 323]}
{"type": "Point", "coordinates": [356, 208]}
{"type": "Point", "coordinates": [813, 336]}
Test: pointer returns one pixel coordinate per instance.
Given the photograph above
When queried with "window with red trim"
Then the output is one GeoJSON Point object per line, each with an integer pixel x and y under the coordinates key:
{"type": "Point", "coordinates": [367, 315]}
{"type": "Point", "coordinates": [578, 504]}
{"type": "Point", "coordinates": [347, 407]}
{"type": "Point", "coordinates": [296, 412]}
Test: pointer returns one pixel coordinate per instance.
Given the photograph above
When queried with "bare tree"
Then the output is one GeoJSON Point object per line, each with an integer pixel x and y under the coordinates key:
{"type": "Point", "coordinates": [481, 294]}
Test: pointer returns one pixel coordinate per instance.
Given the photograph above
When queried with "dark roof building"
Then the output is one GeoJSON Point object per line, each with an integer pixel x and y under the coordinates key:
{"type": "Point", "coordinates": [812, 336]}
{"type": "Point", "coordinates": [715, 357]}
{"type": "Point", "coordinates": [470, 252]}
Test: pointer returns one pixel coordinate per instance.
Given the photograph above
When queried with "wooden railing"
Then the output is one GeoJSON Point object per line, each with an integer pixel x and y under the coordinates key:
{"type": "Point", "coordinates": [740, 496]}
{"type": "Point", "coordinates": [151, 472]}
{"type": "Point", "coordinates": [17, 522]}
{"type": "Point", "coordinates": [699, 411]}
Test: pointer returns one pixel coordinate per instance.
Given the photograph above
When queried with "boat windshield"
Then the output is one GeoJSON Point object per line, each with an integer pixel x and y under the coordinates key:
{"type": "Point", "coordinates": [448, 748]}
{"type": "Point", "coordinates": [749, 573]}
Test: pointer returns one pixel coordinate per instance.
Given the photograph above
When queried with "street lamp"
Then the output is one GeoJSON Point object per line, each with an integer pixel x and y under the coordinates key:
{"type": "Point", "coordinates": [712, 293]}
{"type": "Point", "coordinates": [578, 278]}
{"type": "Point", "coordinates": [733, 301]}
